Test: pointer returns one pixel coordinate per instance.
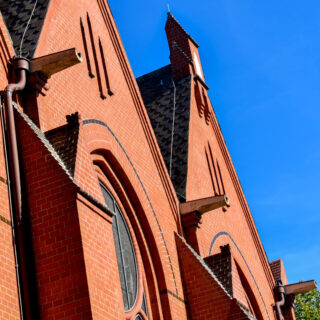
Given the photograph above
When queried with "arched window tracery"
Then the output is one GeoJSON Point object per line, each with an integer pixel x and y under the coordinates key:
{"type": "Point", "coordinates": [126, 257]}
{"type": "Point", "coordinates": [149, 304]}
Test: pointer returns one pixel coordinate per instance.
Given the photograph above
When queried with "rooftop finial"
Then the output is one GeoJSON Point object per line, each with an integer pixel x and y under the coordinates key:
{"type": "Point", "coordinates": [168, 8]}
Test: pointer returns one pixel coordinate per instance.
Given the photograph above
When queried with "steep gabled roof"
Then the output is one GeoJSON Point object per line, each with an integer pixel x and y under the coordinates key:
{"type": "Point", "coordinates": [24, 20]}
{"type": "Point", "coordinates": [168, 107]}
{"type": "Point", "coordinates": [172, 20]}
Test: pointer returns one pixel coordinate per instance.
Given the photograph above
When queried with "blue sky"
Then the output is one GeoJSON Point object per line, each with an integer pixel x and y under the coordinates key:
{"type": "Point", "coordinates": [261, 60]}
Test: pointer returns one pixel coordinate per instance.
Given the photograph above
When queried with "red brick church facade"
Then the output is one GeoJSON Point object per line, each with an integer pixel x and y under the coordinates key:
{"type": "Point", "coordinates": [119, 199]}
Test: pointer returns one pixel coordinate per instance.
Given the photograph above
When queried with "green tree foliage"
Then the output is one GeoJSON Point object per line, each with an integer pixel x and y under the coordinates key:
{"type": "Point", "coordinates": [308, 305]}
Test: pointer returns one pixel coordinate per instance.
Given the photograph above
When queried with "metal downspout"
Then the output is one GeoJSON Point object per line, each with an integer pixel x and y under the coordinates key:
{"type": "Point", "coordinates": [280, 303]}
{"type": "Point", "coordinates": [20, 65]}
{"type": "Point", "coordinates": [13, 227]}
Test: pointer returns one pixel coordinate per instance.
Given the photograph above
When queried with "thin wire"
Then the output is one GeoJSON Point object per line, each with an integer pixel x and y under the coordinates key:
{"type": "Point", "coordinates": [172, 131]}
{"type": "Point", "coordinates": [27, 26]}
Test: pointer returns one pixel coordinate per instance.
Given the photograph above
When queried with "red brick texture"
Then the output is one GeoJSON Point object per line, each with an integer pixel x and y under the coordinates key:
{"type": "Point", "coordinates": [9, 302]}
{"type": "Point", "coordinates": [210, 172]}
{"type": "Point", "coordinates": [208, 157]}
{"type": "Point", "coordinates": [56, 239]}
{"type": "Point", "coordinates": [123, 113]}
{"type": "Point", "coordinates": [278, 271]}
{"type": "Point", "coordinates": [207, 139]}
{"type": "Point", "coordinates": [228, 272]}
{"type": "Point", "coordinates": [207, 299]}
{"type": "Point", "coordinates": [72, 263]}
{"type": "Point", "coordinates": [153, 198]}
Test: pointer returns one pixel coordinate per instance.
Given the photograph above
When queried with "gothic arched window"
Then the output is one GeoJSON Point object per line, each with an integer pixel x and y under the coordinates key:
{"type": "Point", "coordinates": [126, 257]}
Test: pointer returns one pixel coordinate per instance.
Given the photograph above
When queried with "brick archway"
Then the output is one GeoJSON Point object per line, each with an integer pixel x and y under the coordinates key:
{"type": "Point", "coordinates": [110, 157]}
{"type": "Point", "coordinates": [224, 233]}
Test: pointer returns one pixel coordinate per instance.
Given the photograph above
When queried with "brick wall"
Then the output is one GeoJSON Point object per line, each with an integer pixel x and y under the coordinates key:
{"type": "Point", "coordinates": [207, 299]}
{"type": "Point", "coordinates": [9, 303]}
{"type": "Point", "coordinates": [126, 136]}
{"type": "Point", "coordinates": [208, 155]}
{"type": "Point", "coordinates": [55, 234]}
{"type": "Point", "coordinates": [75, 267]}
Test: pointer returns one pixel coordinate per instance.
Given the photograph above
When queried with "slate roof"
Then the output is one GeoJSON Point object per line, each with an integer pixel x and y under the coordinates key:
{"type": "Point", "coordinates": [161, 99]}
{"type": "Point", "coordinates": [16, 14]}
{"type": "Point", "coordinates": [221, 266]}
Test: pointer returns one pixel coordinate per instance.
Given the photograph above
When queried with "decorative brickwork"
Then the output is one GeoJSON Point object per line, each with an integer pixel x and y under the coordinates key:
{"type": "Point", "coordinates": [156, 146]}
{"type": "Point", "coordinates": [206, 296]}
{"type": "Point", "coordinates": [220, 264]}
{"type": "Point", "coordinates": [278, 271]}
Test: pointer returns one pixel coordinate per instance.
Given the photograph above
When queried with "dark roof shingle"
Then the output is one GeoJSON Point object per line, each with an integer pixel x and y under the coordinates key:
{"type": "Point", "coordinates": [64, 140]}
{"type": "Point", "coordinates": [163, 98]}
{"type": "Point", "coordinates": [16, 14]}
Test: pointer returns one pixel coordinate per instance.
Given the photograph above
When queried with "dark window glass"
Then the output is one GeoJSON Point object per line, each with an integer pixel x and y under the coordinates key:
{"type": "Point", "coordinates": [138, 317]}
{"type": "Point", "coordinates": [126, 258]}
{"type": "Point", "coordinates": [144, 304]}
{"type": "Point", "coordinates": [108, 199]}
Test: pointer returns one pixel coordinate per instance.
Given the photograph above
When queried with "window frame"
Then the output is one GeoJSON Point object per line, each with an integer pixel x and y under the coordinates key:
{"type": "Point", "coordinates": [115, 228]}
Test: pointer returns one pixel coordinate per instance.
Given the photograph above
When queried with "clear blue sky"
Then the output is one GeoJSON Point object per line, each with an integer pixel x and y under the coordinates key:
{"type": "Point", "coordinates": [261, 60]}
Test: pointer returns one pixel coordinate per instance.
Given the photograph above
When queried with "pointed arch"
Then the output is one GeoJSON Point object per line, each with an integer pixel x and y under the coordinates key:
{"type": "Point", "coordinates": [224, 233]}
{"type": "Point", "coordinates": [112, 161]}
{"type": "Point", "coordinates": [253, 303]}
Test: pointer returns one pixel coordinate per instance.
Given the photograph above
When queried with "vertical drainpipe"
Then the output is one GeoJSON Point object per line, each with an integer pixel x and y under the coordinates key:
{"type": "Point", "coordinates": [280, 303]}
{"type": "Point", "coordinates": [21, 66]}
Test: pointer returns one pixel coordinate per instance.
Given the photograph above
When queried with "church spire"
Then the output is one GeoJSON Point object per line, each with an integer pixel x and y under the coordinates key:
{"type": "Point", "coordinates": [184, 55]}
